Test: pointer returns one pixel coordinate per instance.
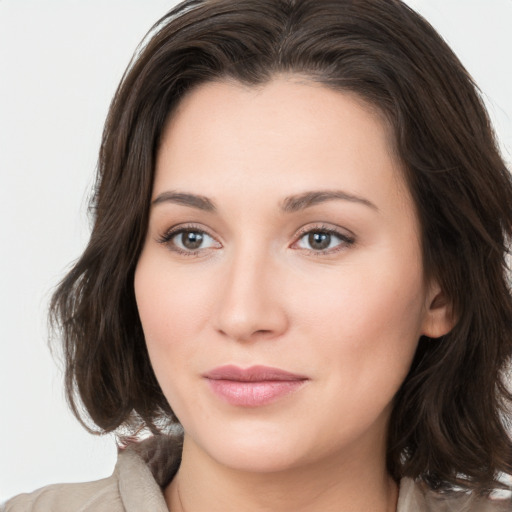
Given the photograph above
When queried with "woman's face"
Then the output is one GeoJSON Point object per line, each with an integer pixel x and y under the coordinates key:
{"type": "Point", "coordinates": [282, 236]}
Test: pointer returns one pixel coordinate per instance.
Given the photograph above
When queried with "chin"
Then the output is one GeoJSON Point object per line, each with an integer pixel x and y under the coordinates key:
{"type": "Point", "coordinates": [255, 450]}
{"type": "Point", "coordinates": [257, 458]}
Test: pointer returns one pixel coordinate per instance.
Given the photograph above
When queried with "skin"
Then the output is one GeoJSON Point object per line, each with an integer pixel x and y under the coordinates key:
{"type": "Point", "coordinates": [257, 292]}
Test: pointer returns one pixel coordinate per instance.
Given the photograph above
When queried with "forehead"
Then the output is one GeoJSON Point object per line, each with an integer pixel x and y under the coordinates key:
{"type": "Point", "coordinates": [287, 135]}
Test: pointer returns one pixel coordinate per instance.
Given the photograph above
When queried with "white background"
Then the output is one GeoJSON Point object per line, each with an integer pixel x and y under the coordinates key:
{"type": "Point", "coordinates": [60, 61]}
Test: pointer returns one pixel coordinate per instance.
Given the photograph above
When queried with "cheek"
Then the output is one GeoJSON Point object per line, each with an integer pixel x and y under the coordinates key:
{"type": "Point", "coordinates": [170, 302]}
{"type": "Point", "coordinates": [360, 307]}
{"type": "Point", "coordinates": [173, 310]}
{"type": "Point", "coordinates": [356, 325]}
{"type": "Point", "coordinates": [358, 300]}
{"type": "Point", "coordinates": [366, 322]}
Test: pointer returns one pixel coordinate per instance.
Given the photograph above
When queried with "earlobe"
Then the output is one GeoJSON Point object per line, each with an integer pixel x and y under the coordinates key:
{"type": "Point", "coordinates": [439, 316]}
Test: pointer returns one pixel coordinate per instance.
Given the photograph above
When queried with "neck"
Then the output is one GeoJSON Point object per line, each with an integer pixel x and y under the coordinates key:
{"type": "Point", "coordinates": [341, 482]}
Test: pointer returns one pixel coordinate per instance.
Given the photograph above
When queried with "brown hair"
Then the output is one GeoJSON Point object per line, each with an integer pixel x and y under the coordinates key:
{"type": "Point", "coordinates": [449, 420]}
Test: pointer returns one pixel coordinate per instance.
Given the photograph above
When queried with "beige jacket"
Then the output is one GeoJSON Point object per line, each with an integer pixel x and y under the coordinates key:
{"type": "Point", "coordinates": [142, 471]}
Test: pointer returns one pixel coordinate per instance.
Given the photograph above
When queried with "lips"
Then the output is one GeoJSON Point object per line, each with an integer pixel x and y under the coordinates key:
{"type": "Point", "coordinates": [252, 387]}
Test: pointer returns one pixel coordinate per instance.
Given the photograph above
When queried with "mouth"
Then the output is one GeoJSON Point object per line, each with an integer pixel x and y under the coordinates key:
{"type": "Point", "coordinates": [252, 387]}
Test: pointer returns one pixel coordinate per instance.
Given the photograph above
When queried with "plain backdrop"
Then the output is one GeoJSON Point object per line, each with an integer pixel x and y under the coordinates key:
{"type": "Point", "coordinates": [60, 62]}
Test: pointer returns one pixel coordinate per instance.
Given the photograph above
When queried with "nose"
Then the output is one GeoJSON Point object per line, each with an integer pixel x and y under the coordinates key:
{"type": "Point", "coordinates": [250, 304]}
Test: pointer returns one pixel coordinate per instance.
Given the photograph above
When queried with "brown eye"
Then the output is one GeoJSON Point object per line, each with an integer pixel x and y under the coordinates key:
{"type": "Point", "coordinates": [319, 241]}
{"type": "Point", "coordinates": [323, 241]}
{"type": "Point", "coordinates": [191, 239]}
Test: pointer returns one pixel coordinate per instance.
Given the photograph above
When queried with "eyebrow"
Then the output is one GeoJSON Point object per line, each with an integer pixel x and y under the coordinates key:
{"type": "Point", "coordinates": [289, 205]}
{"type": "Point", "coordinates": [192, 200]}
{"type": "Point", "coordinates": [307, 199]}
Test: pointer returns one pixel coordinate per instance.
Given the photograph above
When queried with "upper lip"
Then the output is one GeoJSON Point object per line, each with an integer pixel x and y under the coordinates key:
{"type": "Point", "coordinates": [252, 374]}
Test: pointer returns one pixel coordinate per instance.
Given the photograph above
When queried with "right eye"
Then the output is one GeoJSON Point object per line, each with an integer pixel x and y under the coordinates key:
{"type": "Point", "coordinates": [189, 241]}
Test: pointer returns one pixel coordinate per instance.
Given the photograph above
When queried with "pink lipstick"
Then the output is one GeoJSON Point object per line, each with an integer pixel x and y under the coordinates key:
{"type": "Point", "coordinates": [252, 387]}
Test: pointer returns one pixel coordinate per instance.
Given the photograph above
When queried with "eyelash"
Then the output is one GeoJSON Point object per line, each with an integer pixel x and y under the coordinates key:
{"type": "Point", "coordinates": [345, 240]}
{"type": "Point", "coordinates": [167, 238]}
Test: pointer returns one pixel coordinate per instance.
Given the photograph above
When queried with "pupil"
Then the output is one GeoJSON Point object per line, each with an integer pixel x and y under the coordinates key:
{"type": "Point", "coordinates": [319, 240]}
{"type": "Point", "coordinates": [191, 239]}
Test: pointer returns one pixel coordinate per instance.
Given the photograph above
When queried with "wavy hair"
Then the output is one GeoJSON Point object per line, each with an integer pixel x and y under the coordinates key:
{"type": "Point", "coordinates": [449, 422]}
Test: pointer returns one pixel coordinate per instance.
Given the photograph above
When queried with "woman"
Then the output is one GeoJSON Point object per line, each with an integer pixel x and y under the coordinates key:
{"type": "Point", "coordinates": [296, 279]}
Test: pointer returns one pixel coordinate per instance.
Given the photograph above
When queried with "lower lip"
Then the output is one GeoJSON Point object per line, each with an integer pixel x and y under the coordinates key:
{"type": "Point", "coordinates": [253, 394]}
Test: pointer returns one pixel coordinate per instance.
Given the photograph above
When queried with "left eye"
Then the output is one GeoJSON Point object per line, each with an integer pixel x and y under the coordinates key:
{"type": "Point", "coordinates": [320, 240]}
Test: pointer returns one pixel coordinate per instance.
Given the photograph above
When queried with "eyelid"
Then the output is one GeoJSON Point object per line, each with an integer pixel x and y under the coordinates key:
{"type": "Point", "coordinates": [347, 238]}
{"type": "Point", "coordinates": [170, 233]}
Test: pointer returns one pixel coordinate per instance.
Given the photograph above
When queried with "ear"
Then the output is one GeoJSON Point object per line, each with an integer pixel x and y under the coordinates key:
{"type": "Point", "coordinates": [439, 317]}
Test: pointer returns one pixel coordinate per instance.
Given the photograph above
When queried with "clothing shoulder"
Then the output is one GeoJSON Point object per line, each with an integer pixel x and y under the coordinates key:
{"type": "Point", "coordinates": [100, 496]}
{"type": "Point", "coordinates": [142, 471]}
{"type": "Point", "coordinates": [417, 497]}
{"type": "Point", "coordinates": [467, 503]}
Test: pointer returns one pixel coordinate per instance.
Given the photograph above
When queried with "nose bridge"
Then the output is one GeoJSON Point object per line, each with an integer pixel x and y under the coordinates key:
{"type": "Point", "coordinates": [249, 303]}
